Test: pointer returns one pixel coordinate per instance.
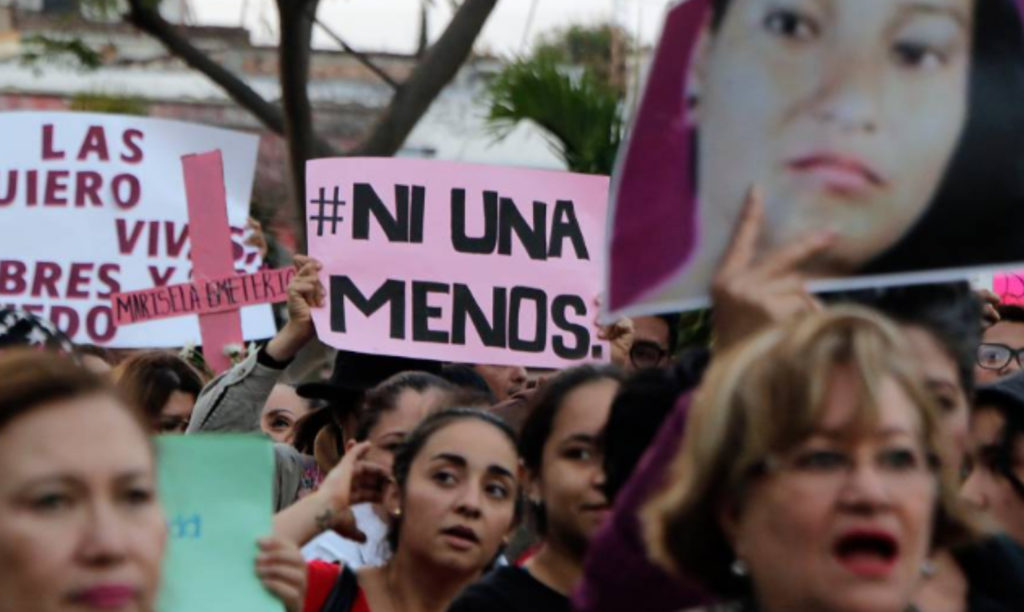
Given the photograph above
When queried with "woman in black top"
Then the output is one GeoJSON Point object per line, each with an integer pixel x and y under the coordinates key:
{"type": "Point", "coordinates": [559, 447]}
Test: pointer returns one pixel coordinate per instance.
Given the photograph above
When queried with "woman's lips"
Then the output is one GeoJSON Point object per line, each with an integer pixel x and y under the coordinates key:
{"type": "Point", "coordinates": [867, 553]}
{"type": "Point", "coordinates": [106, 596]}
{"type": "Point", "coordinates": [840, 174]}
{"type": "Point", "coordinates": [461, 537]}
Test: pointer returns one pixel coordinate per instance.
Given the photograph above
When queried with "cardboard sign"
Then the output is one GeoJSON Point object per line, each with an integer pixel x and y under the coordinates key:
{"type": "Point", "coordinates": [458, 262]}
{"type": "Point", "coordinates": [904, 144]}
{"type": "Point", "coordinates": [221, 295]}
{"type": "Point", "coordinates": [92, 205]}
{"type": "Point", "coordinates": [217, 495]}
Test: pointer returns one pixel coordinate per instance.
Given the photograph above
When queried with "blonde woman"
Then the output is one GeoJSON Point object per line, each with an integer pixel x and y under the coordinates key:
{"type": "Point", "coordinates": [810, 478]}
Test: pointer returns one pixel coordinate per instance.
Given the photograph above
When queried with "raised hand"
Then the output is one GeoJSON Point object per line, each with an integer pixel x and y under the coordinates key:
{"type": "Point", "coordinates": [747, 294]}
{"type": "Point", "coordinates": [305, 292]}
{"type": "Point", "coordinates": [282, 570]}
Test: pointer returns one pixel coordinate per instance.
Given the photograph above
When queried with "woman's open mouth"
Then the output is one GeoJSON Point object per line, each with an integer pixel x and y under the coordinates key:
{"type": "Point", "coordinates": [839, 174]}
{"type": "Point", "coordinates": [867, 553]}
{"type": "Point", "coordinates": [461, 537]}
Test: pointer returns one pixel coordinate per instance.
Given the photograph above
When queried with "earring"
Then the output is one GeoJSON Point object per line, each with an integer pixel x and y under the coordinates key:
{"type": "Point", "coordinates": [739, 567]}
{"type": "Point", "coordinates": [928, 569]}
{"type": "Point", "coordinates": [397, 513]}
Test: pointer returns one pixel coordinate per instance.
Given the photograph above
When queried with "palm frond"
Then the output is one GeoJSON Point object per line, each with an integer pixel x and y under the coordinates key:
{"type": "Point", "coordinates": [583, 116]}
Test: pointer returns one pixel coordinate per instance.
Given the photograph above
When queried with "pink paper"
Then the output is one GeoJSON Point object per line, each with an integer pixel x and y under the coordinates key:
{"type": "Point", "coordinates": [205, 297]}
{"type": "Point", "coordinates": [1010, 287]}
{"type": "Point", "coordinates": [211, 249]}
{"type": "Point", "coordinates": [505, 303]}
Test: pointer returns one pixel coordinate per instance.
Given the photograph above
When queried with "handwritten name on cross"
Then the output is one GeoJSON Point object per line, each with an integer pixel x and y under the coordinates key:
{"type": "Point", "coordinates": [216, 292]}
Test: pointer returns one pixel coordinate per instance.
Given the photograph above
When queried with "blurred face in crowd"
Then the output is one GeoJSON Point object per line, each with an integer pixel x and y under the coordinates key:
{"type": "Point", "coordinates": [988, 487]}
{"type": "Point", "coordinates": [571, 479]}
{"type": "Point", "coordinates": [504, 381]}
{"type": "Point", "coordinates": [283, 408]}
{"type": "Point", "coordinates": [394, 425]}
{"type": "Point", "coordinates": [459, 500]}
{"type": "Point", "coordinates": [995, 360]}
{"type": "Point", "coordinates": [80, 527]}
{"type": "Point", "coordinates": [943, 381]}
{"type": "Point", "coordinates": [650, 347]}
{"type": "Point", "coordinates": [176, 413]}
{"type": "Point", "coordinates": [843, 520]}
{"type": "Point", "coordinates": [844, 112]}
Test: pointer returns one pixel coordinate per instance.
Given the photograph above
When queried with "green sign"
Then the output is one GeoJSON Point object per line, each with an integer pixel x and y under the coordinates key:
{"type": "Point", "coordinates": [216, 491]}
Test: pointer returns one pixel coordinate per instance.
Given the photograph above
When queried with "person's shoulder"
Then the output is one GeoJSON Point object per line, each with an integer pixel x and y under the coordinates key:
{"type": "Point", "coordinates": [994, 568]}
{"type": "Point", "coordinates": [505, 589]}
{"type": "Point", "coordinates": [998, 551]}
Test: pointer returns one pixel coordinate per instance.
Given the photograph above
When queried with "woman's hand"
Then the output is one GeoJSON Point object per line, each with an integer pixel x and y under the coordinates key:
{"type": "Point", "coordinates": [619, 336]}
{"type": "Point", "coordinates": [747, 294]}
{"type": "Point", "coordinates": [282, 570]}
{"type": "Point", "coordinates": [305, 292]}
{"type": "Point", "coordinates": [354, 481]}
{"type": "Point", "coordinates": [257, 238]}
{"type": "Point", "coordinates": [989, 302]}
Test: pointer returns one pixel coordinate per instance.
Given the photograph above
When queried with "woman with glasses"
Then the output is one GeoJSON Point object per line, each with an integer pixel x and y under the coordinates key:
{"type": "Point", "coordinates": [1000, 352]}
{"type": "Point", "coordinates": [810, 476]}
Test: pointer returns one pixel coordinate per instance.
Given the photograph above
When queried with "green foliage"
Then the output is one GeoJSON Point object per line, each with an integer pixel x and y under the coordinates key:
{"type": "Point", "coordinates": [589, 47]}
{"type": "Point", "coordinates": [105, 103]}
{"type": "Point", "coordinates": [41, 49]}
{"type": "Point", "coordinates": [695, 328]}
{"type": "Point", "coordinates": [582, 117]}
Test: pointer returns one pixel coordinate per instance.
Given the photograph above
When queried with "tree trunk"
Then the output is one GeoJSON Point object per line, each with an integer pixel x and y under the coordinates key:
{"type": "Point", "coordinates": [296, 24]}
{"type": "Point", "coordinates": [432, 73]}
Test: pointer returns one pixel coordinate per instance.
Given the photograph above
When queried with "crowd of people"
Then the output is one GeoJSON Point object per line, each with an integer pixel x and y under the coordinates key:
{"type": "Point", "coordinates": [861, 451]}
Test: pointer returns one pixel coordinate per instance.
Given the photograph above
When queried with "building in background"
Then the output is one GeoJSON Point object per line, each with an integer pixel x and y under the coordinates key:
{"type": "Point", "coordinates": [347, 97]}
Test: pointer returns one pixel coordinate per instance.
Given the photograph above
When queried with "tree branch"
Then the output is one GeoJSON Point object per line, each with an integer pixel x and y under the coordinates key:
{"type": "Point", "coordinates": [436, 70]}
{"type": "Point", "coordinates": [294, 48]}
{"type": "Point", "coordinates": [362, 58]}
{"type": "Point", "coordinates": [149, 20]}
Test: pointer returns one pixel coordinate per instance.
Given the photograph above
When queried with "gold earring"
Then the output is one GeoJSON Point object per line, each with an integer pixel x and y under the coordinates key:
{"type": "Point", "coordinates": [397, 513]}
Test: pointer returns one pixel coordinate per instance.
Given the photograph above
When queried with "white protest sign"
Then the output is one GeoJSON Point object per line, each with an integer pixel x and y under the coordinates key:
{"type": "Point", "coordinates": [93, 205]}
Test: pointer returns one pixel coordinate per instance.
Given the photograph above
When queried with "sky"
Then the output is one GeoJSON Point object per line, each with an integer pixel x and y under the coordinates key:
{"type": "Point", "coordinates": [392, 25]}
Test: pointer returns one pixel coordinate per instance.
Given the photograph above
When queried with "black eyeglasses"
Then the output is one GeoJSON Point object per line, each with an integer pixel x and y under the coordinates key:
{"type": "Point", "coordinates": [992, 356]}
{"type": "Point", "coordinates": [646, 354]}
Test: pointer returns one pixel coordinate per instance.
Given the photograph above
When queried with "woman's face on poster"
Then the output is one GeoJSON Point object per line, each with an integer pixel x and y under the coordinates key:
{"type": "Point", "coordinates": [845, 113]}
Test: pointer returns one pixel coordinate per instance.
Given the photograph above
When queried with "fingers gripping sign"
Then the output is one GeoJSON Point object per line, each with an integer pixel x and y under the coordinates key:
{"type": "Point", "coordinates": [749, 294]}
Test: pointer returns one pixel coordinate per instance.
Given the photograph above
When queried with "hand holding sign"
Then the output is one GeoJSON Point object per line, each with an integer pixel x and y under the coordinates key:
{"type": "Point", "coordinates": [282, 570]}
{"type": "Point", "coordinates": [305, 292]}
{"type": "Point", "coordinates": [749, 295]}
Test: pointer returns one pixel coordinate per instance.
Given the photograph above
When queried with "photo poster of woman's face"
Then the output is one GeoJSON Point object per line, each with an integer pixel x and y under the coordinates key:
{"type": "Point", "coordinates": [898, 125]}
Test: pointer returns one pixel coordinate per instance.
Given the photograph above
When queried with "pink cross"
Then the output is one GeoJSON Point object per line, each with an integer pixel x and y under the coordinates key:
{"type": "Point", "coordinates": [216, 292]}
{"type": "Point", "coordinates": [210, 236]}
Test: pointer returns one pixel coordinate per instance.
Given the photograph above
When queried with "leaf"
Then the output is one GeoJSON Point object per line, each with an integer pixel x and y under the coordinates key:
{"type": "Point", "coordinates": [582, 116]}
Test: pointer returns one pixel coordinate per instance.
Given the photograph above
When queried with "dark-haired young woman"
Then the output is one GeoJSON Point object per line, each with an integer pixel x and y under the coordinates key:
{"type": "Point", "coordinates": [560, 449]}
{"type": "Point", "coordinates": [453, 501]}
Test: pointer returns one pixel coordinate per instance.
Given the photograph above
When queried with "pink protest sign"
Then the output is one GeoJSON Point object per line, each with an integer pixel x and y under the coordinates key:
{"type": "Point", "coordinates": [205, 297]}
{"type": "Point", "coordinates": [1009, 287]}
{"type": "Point", "coordinates": [458, 262]}
{"type": "Point", "coordinates": [913, 185]}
